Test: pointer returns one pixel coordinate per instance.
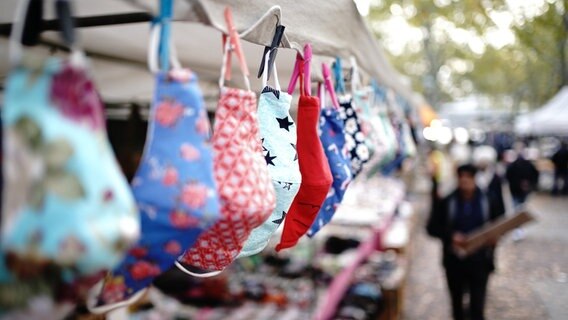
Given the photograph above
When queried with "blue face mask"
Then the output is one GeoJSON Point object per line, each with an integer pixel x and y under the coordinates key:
{"type": "Point", "coordinates": [278, 135]}
{"type": "Point", "coordinates": [174, 186]}
{"type": "Point", "coordinates": [333, 141]}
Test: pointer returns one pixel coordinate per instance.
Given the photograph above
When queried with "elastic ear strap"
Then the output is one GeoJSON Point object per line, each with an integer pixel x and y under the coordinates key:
{"type": "Point", "coordinates": [265, 72]}
{"type": "Point", "coordinates": [321, 94]}
{"type": "Point", "coordinates": [234, 38]}
{"type": "Point", "coordinates": [15, 45]}
{"type": "Point", "coordinates": [355, 79]}
{"type": "Point", "coordinates": [226, 62]}
{"type": "Point", "coordinates": [153, 48]}
{"type": "Point", "coordinates": [329, 85]}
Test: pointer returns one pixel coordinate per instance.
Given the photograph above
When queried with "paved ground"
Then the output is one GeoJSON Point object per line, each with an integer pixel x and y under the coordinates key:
{"type": "Point", "coordinates": [531, 281]}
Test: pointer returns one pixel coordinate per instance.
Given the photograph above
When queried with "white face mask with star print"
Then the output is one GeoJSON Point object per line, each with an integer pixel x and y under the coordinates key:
{"type": "Point", "coordinates": [278, 135]}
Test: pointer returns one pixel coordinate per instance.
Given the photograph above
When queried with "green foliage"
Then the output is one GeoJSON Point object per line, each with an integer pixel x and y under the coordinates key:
{"type": "Point", "coordinates": [526, 71]}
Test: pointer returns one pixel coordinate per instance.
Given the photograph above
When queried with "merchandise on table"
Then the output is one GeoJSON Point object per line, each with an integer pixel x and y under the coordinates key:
{"type": "Point", "coordinates": [206, 205]}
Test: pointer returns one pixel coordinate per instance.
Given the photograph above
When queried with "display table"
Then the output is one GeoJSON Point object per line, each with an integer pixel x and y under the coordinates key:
{"type": "Point", "coordinates": [365, 247]}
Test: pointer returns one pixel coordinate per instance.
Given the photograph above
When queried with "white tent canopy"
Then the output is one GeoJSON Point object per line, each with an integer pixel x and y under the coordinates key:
{"type": "Point", "coordinates": [550, 119]}
{"type": "Point", "coordinates": [119, 51]}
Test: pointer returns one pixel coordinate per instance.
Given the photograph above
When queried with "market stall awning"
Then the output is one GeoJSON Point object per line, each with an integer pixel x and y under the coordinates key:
{"type": "Point", "coordinates": [550, 119]}
{"type": "Point", "coordinates": [334, 28]}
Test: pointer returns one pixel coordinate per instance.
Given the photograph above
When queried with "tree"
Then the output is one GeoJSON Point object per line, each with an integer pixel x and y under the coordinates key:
{"type": "Point", "coordinates": [454, 56]}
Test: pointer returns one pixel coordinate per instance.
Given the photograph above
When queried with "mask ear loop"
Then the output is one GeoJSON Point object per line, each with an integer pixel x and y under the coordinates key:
{"type": "Point", "coordinates": [355, 77]}
{"type": "Point", "coordinates": [153, 48]}
{"type": "Point", "coordinates": [265, 72]}
{"type": "Point", "coordinates": [194, 274]}
{"type": "Point", "coordinates": [232, 43]}
{"type": "Point", "coordinates": [14, 45]}
{"type": "Point", "coordinates": [77, 56]}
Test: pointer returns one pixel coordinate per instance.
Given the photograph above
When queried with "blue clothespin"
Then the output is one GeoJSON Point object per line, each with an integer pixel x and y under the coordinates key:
{"type": "Point", "coordinates": [380, 92]}
{"type": "Point", "coordinates": [338, 75]}
{"type": "Point", "coordinates": [165, 18]}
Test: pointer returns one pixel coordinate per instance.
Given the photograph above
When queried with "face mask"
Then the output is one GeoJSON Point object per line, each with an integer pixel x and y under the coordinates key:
{"type": "Point", "coordinates": [362, 103]}
{"type": "Point", "coordinates": [387, 143]}
{"type": "Point", "coordinates": [173, 186]}
{"type": "Point", "coordinates": [68, 213]}
{"type": "Point", "coordinates": [333, 141]}
{"type": "Point", "coordinates": [278, 136]}
{"type": "Point", "coordinates": [354, 138]}
{"type": "Point", "coordinates": [357, 150]}
{"type": "Point", "coordinates": [66, 203]}
{"type": "Point", "coordinates": [246, 191]}
{"type": "Point", "coordinates": [316, 175]}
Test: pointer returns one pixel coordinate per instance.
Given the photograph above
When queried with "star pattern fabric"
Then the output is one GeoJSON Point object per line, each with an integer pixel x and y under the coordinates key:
{"type": "Point", "coordinates": [285, 123]}
{"type": "Point", "coordinates": [269, 158]}
{"type": "Point", "coordinates": [295, 151]}
{"type": "Point", "coordinates": [279, 138]}
{"type": "Point", "coordinates": [279, 221]}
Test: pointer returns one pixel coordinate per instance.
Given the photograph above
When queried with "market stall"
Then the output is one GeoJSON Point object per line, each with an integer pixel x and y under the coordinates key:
{"type": "Point", "coordinates": [194, 202]}
{"type": "Point", "coordinates": [548, 120]}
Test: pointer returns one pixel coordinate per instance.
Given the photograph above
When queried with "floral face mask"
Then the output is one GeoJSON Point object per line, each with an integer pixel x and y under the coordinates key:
{"type": "Point", "coordinates": [67, 211]}
{"type": "Point", "coordinates": [174, 186]}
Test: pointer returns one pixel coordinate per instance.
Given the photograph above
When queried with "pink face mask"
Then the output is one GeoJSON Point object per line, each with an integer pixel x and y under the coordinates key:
{"type": "Point", "coordinates": [245, 188]}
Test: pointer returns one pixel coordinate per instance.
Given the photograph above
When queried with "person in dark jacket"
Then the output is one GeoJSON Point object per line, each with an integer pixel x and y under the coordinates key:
{"type": "Point", "coordinates": [522, 176]}
{"type": "Point", "coordinates": [487, 178]}
{"type": "Point", "coordinates": [465, 210]}
{"type": "Point", "coordinates": [560, 161]}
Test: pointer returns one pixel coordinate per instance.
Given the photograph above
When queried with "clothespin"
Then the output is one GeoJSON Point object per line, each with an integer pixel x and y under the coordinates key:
{"type": "Point", "coordinates": [329, 85]}
{"type": "Point", "coordinates": [166, 13]}
{"type": "Point", "coordinates": [66, 23]}
{"type": "Point", "coordinates": [278, 33]}
{"type": "Point", "coordinates": [338, 75]}
{"type": "Point", "coordinates": [380, 93]}
{"type": "Point", "coordinates": [33, 23]}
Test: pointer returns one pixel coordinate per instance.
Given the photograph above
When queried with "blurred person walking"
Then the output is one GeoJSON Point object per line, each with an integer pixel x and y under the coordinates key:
{"type": "Point", "coordinates": [522, 176]}
{"type": "Point", "coordinates": [463, 211]}
{"type": "Point", "coordinates": [488, 178]}
{"type": "Point", "coordinates": [560, 161]}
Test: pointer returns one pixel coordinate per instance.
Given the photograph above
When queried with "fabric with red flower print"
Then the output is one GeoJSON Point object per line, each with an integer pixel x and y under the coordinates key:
{"type": "Point", "coordinates": [174, 186]}
{"type": "Point", "coordinates": [245, 187]}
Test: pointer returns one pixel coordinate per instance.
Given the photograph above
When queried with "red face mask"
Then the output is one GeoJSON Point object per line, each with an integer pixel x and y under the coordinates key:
{"type": "Point", "coordinates": [314, 167]}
